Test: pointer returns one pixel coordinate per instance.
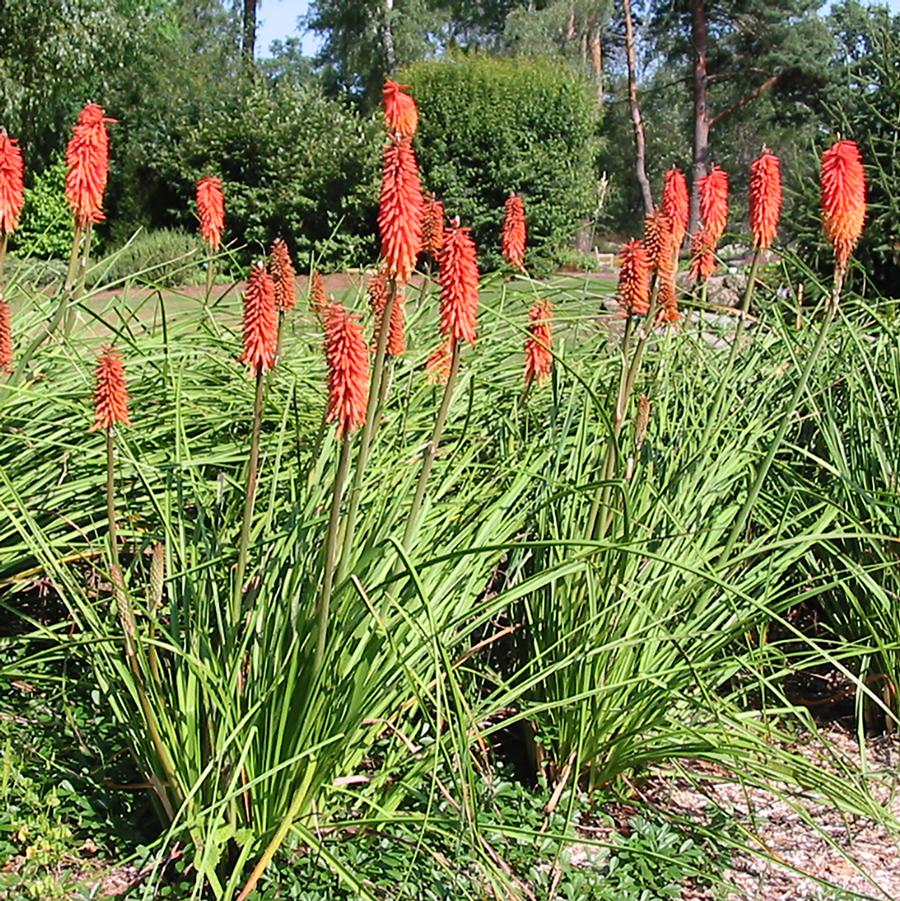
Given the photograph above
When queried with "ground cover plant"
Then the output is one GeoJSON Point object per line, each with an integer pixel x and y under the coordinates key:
{"type": "Point", "coordinates": [332, 601]}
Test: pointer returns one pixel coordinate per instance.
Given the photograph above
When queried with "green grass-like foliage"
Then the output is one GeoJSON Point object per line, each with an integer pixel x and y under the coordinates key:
{"type": "Point", "coordinates": [607, 621]}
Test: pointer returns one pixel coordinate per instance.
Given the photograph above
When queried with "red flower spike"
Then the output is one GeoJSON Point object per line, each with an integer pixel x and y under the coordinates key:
{"type": "Point", "coordinates": [432, 225]}
{"type": "Point", "coordinates": [703, 256]}
{"type": "Point", "coordinates": [110, 391]}
{"type": "Point", "coordinates": [6, 346]}
{"type": "Point", "coordinates": [659, 242]}
{"type": "Point", "coordinates": [458, 276]}
{"type": "Point", "coordinates": [283, 277]}
{"type": "Point", "coordinates": [634, 278]}
{"type": "Point", "coordinates": [260, 321]}
{"type": "Point", "coordinates": [714, 201]}
{"type": "Point", "coordinates": [318, 300]}
{"type": "Point", "coordinates": [396, 345]}
{"type": "Point", "coordinates": [87, 161]}
{"type": "Point", "coordinates": [843, 183]}
{"type": "Point", "coordinates": [437, 367]}
{"type": "Point", "coordinates": [12, 183]}
{"type": "Point", "coordinates": [512, 242]}
{"type": "Point", "coordinates": [668, 300]}
{"type": "Point", "coordinates": [676, 204]}
{"type": "Point", "coordinates": [538, 357]}
{"type": "Point", "coordinates": [378, 290]}
{"type": "Point", "coordinates": [400, 113]}
{"type": "Point", "coordinates": [765, 198]}
{"type": "Point", "coordinates": [211, 210]}
{"type": "Point", "coordinates": [400, 210]}
{"type": "Point", "coordinates": [348, 369]}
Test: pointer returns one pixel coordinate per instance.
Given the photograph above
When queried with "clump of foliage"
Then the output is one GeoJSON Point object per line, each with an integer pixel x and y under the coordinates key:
{"type": "Point", "coordinates": [292, 161]}
{"type": "Point", "coordinates": [492, 125]}
{"type": "Point", "coordinates": [165, 257]}
{"type": "Point", "coordinates": [46, 228]}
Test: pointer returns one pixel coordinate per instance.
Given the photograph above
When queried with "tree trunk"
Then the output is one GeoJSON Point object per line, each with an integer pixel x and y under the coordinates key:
{"type": "Point", "coordinates": [597, 63]}
{"type": "Point", "coordinates": [640, 147]}
{"type": "Point", "coordinates": [700, 166]}
{"type": "Point", "coordinates": [248, 44]}
{"type": "Point", "coordinates": [387, 38]}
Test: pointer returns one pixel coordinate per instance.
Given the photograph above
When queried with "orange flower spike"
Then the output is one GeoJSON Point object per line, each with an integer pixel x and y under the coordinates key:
{"type": "Point", "coordinates": [432, 225]}
{"type": "Point", "coordinates": [211, 210]}
{"type": "Point", "coordinates": [348, 369]}
{"type": "Point", "coordinates": [396, 345]}
{"type": "Point", "coordinates": [12, 183]}
{"type": "Point", "coordinates": [6, 346]}
{"type": "Point", "coordinates": [283, 276]}
{"type": "Point", "coordinates": [87, 162]}
{"type": "Point", "coordinates": [538, 356]}
{"type": "Point", "coordinates": [714, 201]}
{"type": "Point", "coordinates": [260, 321]}
{"type": "Point", "coordinates": [400, 112]}
{"type": "Point", "coordinates": [668, 300]}
{"type": "Point", "coordinates": [400, 210]}
{"type": "Point", "coordinates": [110, 391]}
{"type": "Point", "coordinates": [512, 242]}
{"type": "Point", "coordinates": [659, 242]}
{"type": "Point", "coordinates": [843, 184]}
{"type": "Point", "coordinates": [437, 367]}
{"type": "Point", "coordinates": [765, 198]}
{"type": "Point", "coordinates": [378, 290]}
{"type": "Point", "coordinates": [634, 278]}
{"type": "Point", "coordinates": [458, 276]}
{"type": "Point", "coordinates": [318, 300]}
{"type": "Point", "coordinates": [676, 204]}
{"type": "Point", "coordinates": [703, 256]}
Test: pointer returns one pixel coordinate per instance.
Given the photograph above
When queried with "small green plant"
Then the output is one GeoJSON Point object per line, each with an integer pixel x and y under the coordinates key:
{"type": "Point", "coordinates": [46, 229]}
{"type": "Point", "coordinates": [166, 257]}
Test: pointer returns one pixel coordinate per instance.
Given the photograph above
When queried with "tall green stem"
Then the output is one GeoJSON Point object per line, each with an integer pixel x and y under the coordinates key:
{"type": "Point", "coordinates": [712, 421]}
{"type": "Point", "coordinates": [4, 238]}
{"type": "Point", "coordinates": [331, 543]}
{"type": "Point", "coordinates": [377, 394]}
{"type": "Point", "coordinates": [431, 451]}
{"type": "Point", "coordinates": [763, 470]}
{"type": "Point", "coordinates": [249, 499]}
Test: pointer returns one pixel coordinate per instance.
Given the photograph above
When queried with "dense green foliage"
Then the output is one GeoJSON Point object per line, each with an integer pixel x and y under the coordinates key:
{"type": "Point", "coordinates": [490, 126]}
{"type": "Point", "coordinates": [46, 227]}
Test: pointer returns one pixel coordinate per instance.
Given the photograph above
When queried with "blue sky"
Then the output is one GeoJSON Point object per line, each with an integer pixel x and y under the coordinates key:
{"type": "Point", "coordinates": [278, 20]}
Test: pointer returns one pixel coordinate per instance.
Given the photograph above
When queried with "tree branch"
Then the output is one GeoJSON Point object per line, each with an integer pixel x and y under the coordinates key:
{"type": "Point", "coordinates": [740, 104]}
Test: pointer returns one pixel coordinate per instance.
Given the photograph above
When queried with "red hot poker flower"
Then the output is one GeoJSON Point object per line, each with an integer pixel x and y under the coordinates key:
{"type": "Point", "coordinates": [400, 210]}
{"type": "Point", "coordinates": [668, 300]}
{"type": "Point", "coordinates": [714, 201]}
{"type": "Point", "coordinates": [400, 113]}
{"type": "Point", "coordinates": [659, 242]}
{"type": "Point", "coordinates": [538, 357]}
{"type": "Point", "coordinates": [87, 161]}
{"type": "Point", "coordinates": [110, 391]}
{"type": "Point", "coordinates": [676, 204]}
{"type": "Point", "coordinates": [283, 277]}
{"type": "Point", "coordinates": [437, 367]}
{"type": "Point", "coordinates": [396, 345]}
{"type": "Point", "coordinates": [843, 183]}
{"type": "Point", "coordinates": [211, 210]}
{"type": "Point", "coordinates": [703, 256]}
{"type": "Point", "coordinates": [634, 278]}
{"type": "Point", "coordinates": [348, 369]}
{"type": "Point", "coordinates": [458, 276]}
{"type": "Point", "coordinates": [317, 297]}
{"type": "Point", "coordinates": [6, 346]}
{"type": "Point", "coordinates": [260, 321]}
{"type": "Point", "coordinates": [432, 225]}
{"type": "Point", "coordinates": [12, 183]}
{"type": "Point", "coordinates": [765, 198]}
{"type": "Point", "coordinates": [512, 243]}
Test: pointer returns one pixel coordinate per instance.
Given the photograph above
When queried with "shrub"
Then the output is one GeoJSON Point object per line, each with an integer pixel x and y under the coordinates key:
{"type": "Point", "coordinates": [165, 257]}
{"type": "Point", "coordinates": [46, 227]}
{"type": "Point", "coordinates": [292, 162]}
{"type": "Point", "coordinates": [489, 126]}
